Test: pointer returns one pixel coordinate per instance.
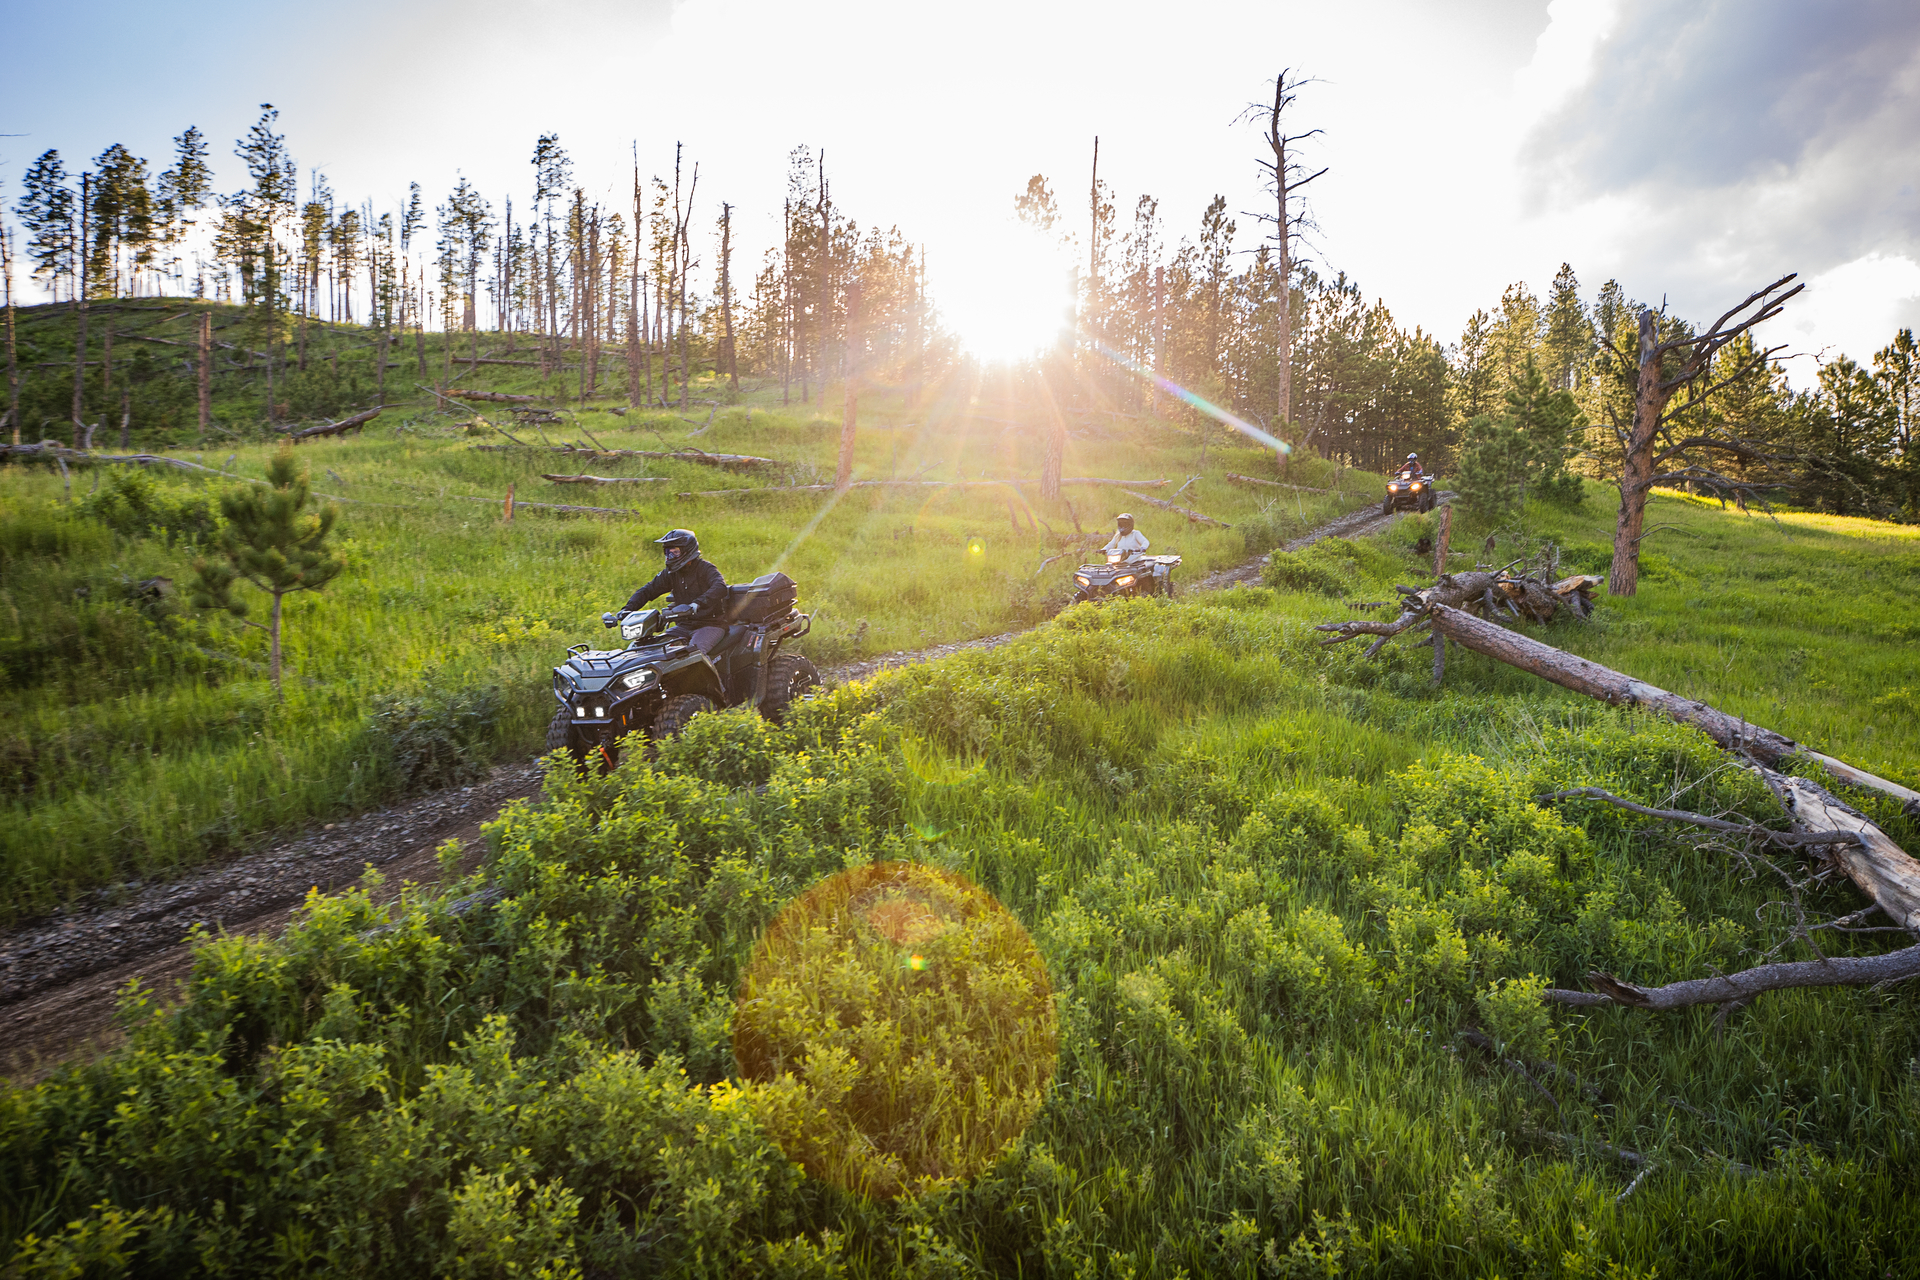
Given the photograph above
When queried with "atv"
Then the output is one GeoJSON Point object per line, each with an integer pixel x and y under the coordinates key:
{"type": "Point", "coordinates": [1124, 574]}
{"type": "Point", "coordinates": [1408, 493]}
{"type": "Point", "coordinates": [658, 682]}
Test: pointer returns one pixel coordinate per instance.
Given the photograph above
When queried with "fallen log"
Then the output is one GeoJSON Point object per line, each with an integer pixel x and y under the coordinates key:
{"type": "Point", "coordinates": [725, 461]}
{"type": "Point", "coordinates": [495, 396]}
{"type": "Point", "coordinates": [1128, 485]}
{"type": "Point", "coordinates": [519, 503]}
{"type": "Point", "coordinates": [355, 423]}
{"type": "Point", "coordinates": [583, 479]}
{"type": "Point", "coordinates": [1188, 513]}
{"type": "Point", "coordinates": [1835, 971]}
{"type": "Point", "coordinates": [1880, 868]}
{"type": "Point", "coordinates": [1233, 478]}
{"type": "Point", "coordinates": [1583, 676]}
{"type": "Point", "coordinates": [909, 484]}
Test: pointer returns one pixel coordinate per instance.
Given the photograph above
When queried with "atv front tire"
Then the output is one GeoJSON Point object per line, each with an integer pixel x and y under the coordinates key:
{"type": "Point", "coordinates": [679, 710]}
{"type": "Point", "coordinates": [789, 676]}
{"type": "Point", "coordinates": [1166, 587]}
{"type": "Point", "coordinates": [560, 736]}
{"type": "Point", "coordinates": [1386, 508]}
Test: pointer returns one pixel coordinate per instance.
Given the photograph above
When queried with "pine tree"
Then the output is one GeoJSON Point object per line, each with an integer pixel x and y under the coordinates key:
{"type": "Point", "coordinates": [273, 542]}
{"type": "Point", "coordinates": [46, 210]}
{"type": "Point", "coordinates": [1569, 341]}
{"type": "Point", "coordinates": [181, 189]}
{"type": "Point", "coordinates": [1524, 447]}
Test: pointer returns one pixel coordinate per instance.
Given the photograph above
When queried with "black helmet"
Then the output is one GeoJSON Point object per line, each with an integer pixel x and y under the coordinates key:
{"type": "Point", "coordinates": [1125, 521]}
{"type": "Point", "coordinates": [679, 546]}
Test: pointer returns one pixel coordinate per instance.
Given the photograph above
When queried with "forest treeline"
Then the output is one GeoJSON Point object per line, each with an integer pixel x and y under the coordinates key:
{"type": "Point", "coordinates": [644, 300]}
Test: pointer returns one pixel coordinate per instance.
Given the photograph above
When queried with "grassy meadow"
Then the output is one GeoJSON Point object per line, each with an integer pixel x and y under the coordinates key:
{"type": "Point", "coordinates": [137, 739]}
{"type": "Point", "coordinates": [1286, 897]}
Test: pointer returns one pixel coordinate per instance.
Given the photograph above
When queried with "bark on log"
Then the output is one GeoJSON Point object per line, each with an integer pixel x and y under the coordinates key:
{"type": "Point", "coordinates": [584, 479]}
{"type": "Point", "coordinates": [1837, 971]}
{"type": "Point", "coordinates": [355, 423]}
{"type": "Point", "coordinates": [1881, 868]}
{"type": "Point", "coordinates": [1189, 514]}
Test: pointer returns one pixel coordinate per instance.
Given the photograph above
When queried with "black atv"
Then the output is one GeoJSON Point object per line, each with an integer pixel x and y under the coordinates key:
{"type": "Point", "coordinates": [1124, 575]}
{"type": "Point", "coordinates": [658, 683]}
{"type": "Point", "coordinates": [1408, 493]}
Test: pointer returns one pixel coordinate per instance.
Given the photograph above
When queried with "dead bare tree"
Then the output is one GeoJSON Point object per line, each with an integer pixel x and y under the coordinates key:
{"type": "Point", "coordinates": [13, 360]}
{"type": "Point", "coordinates": [1653, 453]}
{"type": "Point", "coordinates": [1287, 176]}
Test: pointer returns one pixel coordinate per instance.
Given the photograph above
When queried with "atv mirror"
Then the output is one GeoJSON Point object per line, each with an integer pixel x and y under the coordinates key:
{"type": "Point", "coordinates": [608, 619]}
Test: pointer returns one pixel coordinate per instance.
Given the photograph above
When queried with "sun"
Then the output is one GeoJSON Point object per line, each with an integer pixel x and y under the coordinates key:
{"type": "Point", "coordinates": [1006, 292]}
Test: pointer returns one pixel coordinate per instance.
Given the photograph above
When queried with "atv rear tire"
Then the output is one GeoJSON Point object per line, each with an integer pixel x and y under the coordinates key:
{"type": "Point", "coordinates": [679, 710]}
{"type": "Point", "coordinates": [789, 676]}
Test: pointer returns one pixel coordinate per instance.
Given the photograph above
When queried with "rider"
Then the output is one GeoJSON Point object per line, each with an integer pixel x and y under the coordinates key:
{"type": "Point", "coordinates": [698, 590]}
{"type": "Point", "coordinates": [1411, 468]}
{"type": "Point", "coordinates": [1128, 540]}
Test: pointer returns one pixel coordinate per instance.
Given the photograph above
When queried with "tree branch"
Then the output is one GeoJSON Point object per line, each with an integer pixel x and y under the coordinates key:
{"type": "Point", "coordinates": [1840, 971]}
{"type": "Point", "coordinates": [1791, 839]}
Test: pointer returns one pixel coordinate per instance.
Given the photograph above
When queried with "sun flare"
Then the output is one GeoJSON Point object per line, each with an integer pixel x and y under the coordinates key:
{"type": "Point", "coordinates": [1007, 292]}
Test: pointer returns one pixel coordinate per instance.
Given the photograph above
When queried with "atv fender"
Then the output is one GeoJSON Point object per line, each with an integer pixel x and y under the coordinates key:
{"type": "Point", "coordinates": [693, 672]}
{"type": "Point", "coordinates": [771, 640]}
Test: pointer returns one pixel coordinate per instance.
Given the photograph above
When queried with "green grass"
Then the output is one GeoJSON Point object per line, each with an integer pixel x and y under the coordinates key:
{"type": "Point", "coordinates": [133, 747]}
{"type": "Point", "coordinates": [1272, 884]}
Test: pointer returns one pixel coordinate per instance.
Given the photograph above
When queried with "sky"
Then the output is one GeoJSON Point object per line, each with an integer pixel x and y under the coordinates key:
{"type": "Point", "coordinates": [1694, 150]}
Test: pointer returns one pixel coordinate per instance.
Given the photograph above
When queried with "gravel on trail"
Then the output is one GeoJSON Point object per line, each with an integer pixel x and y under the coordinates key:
{"type": "Point", "coordinates": [60, 975]}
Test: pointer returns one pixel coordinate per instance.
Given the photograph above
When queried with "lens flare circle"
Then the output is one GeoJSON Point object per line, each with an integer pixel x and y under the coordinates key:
{"type": "Point", "coordinates": [901, 1024]}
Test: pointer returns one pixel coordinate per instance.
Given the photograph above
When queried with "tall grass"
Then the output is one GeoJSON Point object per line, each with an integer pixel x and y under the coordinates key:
{"type": "Point", "coordinates": [136, 745]}
{"type": "Point", "coordinates": [1273, 886]}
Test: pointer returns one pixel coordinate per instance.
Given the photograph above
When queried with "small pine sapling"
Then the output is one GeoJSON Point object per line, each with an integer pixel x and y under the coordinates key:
{"type": "Point", "coordinates": [272, 541]}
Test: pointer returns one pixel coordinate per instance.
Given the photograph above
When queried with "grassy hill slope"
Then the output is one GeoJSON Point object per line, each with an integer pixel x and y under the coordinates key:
{"type": "Point", "coordinates": [1284, 895]}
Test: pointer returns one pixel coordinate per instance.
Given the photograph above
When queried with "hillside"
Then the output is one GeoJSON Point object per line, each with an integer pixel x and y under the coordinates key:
{"type": "Point", "coordinates": [429, 657]}
{"type": "Point", "coordinates": [1294, 906]}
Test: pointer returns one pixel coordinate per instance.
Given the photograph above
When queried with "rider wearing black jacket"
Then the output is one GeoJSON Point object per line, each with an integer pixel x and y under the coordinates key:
{"type": "Point", "coordinates": [697, 589]}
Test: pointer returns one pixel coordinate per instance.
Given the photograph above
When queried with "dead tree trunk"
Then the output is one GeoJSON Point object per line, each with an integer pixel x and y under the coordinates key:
{"type": "Point", "coordinates": [849, 425]}
{"type": "Point", "coordinates": [13, 356]}
{"type": "Point", "coordinates": [80, 313]}
{"type": "Point", "coordinates": [205, 371]}
{"type": "Point", "coordinates": [726, 295]}
{"type": "Point", "coordinates": [1286, 174]}
{"type": "Point", "coordinates": [1647, 452]}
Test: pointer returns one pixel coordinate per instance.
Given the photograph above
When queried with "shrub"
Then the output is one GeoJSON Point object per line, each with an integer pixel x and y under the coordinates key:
{"type": "Point", "coordinates": [1297, 571]}
{"type": "Point", "coordinates": [133, 504]}
{"type": "Point", "coordinates": [438, 737]}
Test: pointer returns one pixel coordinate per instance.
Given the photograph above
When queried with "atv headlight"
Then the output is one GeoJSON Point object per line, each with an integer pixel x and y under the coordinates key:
{"type": "Point", "coordinates": [634, 679]}
{"type": "Point", "coordinates": [1127, 581]}
{"type": "Point", "coordinates": [1417, 488]}
{"type": "Point", "coordinates": [1393, 488]}
{"type": "Point", "coordinates": [1081, 578]}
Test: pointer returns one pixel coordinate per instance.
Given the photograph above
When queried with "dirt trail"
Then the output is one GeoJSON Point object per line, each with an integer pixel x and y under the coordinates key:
{"type": "Point", "coordinates": [59, 976]}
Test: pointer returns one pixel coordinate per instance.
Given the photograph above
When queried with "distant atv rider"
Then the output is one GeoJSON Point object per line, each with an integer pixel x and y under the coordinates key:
{"type": "Point", "coordinates": [698, 591]}
{"type": "Point", "coordinates": [1128, 541]}
{"type": "Point", "coordinates": [1411, 468]}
